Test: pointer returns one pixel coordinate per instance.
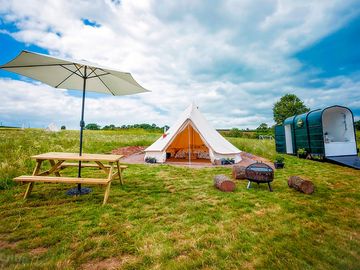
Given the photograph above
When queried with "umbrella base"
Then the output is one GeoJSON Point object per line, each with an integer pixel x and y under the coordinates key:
{"type": "Point", "coordinates": [75, 191]}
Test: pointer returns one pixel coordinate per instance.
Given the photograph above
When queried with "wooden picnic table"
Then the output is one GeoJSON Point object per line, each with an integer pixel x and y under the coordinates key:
{"type": "Point", "coordinates": [109, 164]}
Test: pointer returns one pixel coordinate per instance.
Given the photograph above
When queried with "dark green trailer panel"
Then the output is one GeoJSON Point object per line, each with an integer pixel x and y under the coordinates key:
{"type": "Point", "coordinates": [315, 130]}
{"type": "Point", "coordinates": [280, 139]}
{"type": "Point", "coordinates": [301, 133]}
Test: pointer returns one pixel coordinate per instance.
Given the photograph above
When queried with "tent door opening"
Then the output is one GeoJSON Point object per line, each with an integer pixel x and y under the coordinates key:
{"type": "Point", "coordinates": [188, 147]}
{"type": "Point", "coordinates": [288, 139]}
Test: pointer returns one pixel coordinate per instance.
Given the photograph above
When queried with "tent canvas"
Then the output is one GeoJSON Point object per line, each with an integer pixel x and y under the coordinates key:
{"type": "Point", "coordinates": [192, 137]}
{"type": "Point", "coordinates": [52, 127]}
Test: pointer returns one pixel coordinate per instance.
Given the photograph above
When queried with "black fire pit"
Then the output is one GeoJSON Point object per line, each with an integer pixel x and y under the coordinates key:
{"type": "Point", "coordinates": [259, 173]}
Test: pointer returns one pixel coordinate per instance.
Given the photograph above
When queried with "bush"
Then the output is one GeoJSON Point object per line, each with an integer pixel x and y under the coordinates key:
{"type": "Point", "coordinates": [279, 159]}
{"type": "Point", "coordinates": [301, 152]}
{"type": "Point", "coordinates": [92, 126]}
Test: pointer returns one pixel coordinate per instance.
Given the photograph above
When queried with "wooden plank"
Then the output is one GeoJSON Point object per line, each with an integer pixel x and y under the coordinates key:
{"type": "Point", "coordinates": [115, 174]}
{"type": "Point", "coordinates": [55, 167]}
{"type": "Point", "coordinates": [111, 171]}
{"type": "Point", "coordinates": [107, 192]}
{"type": "Point", "coordinates": [119, 173]}
{"type": "Point", "coordinates": [31, 184]}
{"type": "Point", "coordinates": [37, 167]}
{"type": "Point", "coordinates": [106, 170]}
{"type": "Point", "coordinates": [110, 177]}
{"type": "Point", "coordinates": [86, 165]}
{"type": "Point", "coordinates": [44, 173]}
{"type": "Point", "coordinates": [77, 157]}
{"type": "Point", "coordinates": [67, 180]}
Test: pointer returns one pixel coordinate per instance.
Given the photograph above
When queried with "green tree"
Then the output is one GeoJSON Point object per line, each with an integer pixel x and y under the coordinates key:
{"type": "Point", "coordinates": [287, 106]}
{"type": "Point", "coordinates": [63, 128]}
{"type": "Point", "coordinates": [357, 125]}
{"type": "Point", "coordinates": [262, 127]}
{"type": "Point", "coordinates": [235, 132]}
{"type": "Point", "coordinates": [109, 127]}
{"type": "Point", "coordinates": [92, 126]}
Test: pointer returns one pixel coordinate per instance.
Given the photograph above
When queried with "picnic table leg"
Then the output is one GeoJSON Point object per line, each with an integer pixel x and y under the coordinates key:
{"type": "Point", "coordinates": [28, 189]}
{"type": "Point", "coordinates": [120, 173]}
{"type": "Point", "coordinates": [52, 162]}
{"type": "Point", "coordinates": [107, 191]}
{"type": "Point", "coordinates": [101, 166]}
{"type": "Point", "coordinates": [31, 184]}
{"type": "Point", "coordinates": [270, 187]}
{"type": "Point", "coordinates": [249, 185]}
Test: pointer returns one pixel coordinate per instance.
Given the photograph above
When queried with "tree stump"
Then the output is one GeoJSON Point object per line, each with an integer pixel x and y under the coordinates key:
{"type": "Point", "coordinates": [223, 183]}
{"type": "Point", "coordinates": [238, 172]}
{"type": "Point", "coordinates": [300, 184]}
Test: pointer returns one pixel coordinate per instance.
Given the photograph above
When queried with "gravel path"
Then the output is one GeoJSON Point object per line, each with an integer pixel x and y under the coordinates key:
{"type": "Point", "coordinates": [135, 155]}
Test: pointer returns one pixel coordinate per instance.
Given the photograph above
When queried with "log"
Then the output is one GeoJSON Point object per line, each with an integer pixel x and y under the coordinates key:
{"type": "Point", "coordinates": [238, 172]}
{"type": "Point", "coordinates": [223, 183]}
{"type": "Point", "coordinates": [301, 184]}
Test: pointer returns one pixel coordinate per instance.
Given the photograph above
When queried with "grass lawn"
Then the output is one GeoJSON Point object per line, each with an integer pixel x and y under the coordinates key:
{"type": "Point", "coordinates": [167, 217]}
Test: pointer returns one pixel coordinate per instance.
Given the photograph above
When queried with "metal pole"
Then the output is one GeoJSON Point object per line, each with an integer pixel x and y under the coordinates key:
{"type": "Point", "coordinates": [189, 144]}
{"type": "Point", "coordinates": [82, 125]}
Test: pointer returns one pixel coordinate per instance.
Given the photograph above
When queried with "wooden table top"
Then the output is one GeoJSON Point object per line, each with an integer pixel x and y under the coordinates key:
{"type": "Point", "coordinates": [75, 156]}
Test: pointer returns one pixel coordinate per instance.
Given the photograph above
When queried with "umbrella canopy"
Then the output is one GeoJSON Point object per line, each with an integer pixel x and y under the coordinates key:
{"type": "Point", "coordinates": [76, 75]}
{"type": "Point", "coordinates": [70, 74]}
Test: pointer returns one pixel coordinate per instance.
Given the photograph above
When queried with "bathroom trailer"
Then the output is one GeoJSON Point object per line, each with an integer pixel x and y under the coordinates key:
{"type": "Point", "coordinates": [328, 134]}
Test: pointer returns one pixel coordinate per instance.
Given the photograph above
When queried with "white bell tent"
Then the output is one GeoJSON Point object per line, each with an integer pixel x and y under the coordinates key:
{"type": "Point", "coordinates": [192, 138]}
{"type": "Point", "coordinates": [52, 128]}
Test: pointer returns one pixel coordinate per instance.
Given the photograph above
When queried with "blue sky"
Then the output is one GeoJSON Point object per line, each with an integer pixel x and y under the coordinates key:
{"type": "Point", "coordinates": [233, 58]}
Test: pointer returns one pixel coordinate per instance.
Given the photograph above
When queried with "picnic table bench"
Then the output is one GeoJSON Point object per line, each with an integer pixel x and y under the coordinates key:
{"type": "Point", "coordinates": [58, 162]}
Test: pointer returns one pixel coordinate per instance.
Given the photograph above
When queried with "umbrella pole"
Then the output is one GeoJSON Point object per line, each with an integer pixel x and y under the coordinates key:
{"type": "Point", "coordinates": [82, 125]}
{"type": "Point", "coordinates": [79, 190]}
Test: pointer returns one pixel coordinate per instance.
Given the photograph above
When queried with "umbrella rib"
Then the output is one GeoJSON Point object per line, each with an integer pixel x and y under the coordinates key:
{"type": "Point", "coordinates": [92, 71]}
{"type": "Point", "coordinates": [105, 85]}
{"type": "Point", "coordinates": [97, 76]}
{"type": "Point", "coordinates": [25, 66]}
{"type": "Point", "coordinates": [79, 69]}
{"type": "Point", "coordinates": [72, 73]}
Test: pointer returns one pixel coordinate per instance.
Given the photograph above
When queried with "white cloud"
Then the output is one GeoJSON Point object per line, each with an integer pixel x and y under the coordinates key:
{"type": "Point", "coordinates": [232, 57]}
{"type": "Point", "coordinates": [38, 105]}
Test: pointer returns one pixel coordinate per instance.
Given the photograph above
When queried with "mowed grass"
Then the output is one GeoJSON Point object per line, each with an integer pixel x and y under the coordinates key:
{"type": "Point", "coordinates": [167, 217]}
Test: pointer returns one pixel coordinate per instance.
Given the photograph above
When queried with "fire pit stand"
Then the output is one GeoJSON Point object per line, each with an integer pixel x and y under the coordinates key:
{"type": "Point", "coordinates": [259, 173]}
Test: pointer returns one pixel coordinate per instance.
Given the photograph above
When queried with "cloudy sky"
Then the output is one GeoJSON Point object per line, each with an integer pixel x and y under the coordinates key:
{"type": "Point", "coordinates": [233, 58]}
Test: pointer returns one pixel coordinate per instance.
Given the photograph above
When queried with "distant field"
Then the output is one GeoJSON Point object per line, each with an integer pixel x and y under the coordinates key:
{"type": "Point", "coordinates": [167, 217]}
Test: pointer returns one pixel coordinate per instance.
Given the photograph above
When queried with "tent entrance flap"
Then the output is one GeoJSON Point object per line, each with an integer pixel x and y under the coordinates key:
{"type": "Point", "coordinates": [188, 144]}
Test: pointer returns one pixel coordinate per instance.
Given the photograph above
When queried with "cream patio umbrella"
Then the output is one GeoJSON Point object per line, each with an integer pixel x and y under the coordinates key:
{"type": "Point", "coordinates": [75, 75]}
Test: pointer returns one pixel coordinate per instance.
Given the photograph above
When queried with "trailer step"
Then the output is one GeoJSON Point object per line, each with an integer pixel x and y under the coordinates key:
{"type": "Point", "coordinates": [350, 161]}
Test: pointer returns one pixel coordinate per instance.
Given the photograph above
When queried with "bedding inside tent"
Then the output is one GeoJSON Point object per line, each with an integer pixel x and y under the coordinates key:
{"type": "Point", "coordinates": [338, 129]}
{"type": "Point", "coordinates": [188, 145]}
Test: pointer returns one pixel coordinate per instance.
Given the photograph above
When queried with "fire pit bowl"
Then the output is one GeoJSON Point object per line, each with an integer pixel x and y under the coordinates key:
{"type": "Point", "coordinates": [259, 173]}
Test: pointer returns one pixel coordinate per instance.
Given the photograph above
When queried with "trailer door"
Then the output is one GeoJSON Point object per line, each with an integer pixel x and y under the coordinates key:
{"type": "Point", "coordinates": [288, 139]}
